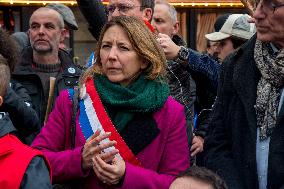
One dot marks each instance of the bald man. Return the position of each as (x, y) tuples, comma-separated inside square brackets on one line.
[(44, 60)]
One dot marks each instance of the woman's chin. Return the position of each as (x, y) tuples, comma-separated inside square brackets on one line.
[(114, 78)]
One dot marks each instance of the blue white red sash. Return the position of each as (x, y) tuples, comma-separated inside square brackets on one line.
[(93, 116)]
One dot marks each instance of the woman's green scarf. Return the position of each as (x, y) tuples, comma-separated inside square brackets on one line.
[(122, 103)]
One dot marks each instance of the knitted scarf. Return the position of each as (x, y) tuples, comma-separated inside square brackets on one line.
[(268, 88), (122, 103)]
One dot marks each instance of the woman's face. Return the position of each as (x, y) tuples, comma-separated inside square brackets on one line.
[(120, 63)]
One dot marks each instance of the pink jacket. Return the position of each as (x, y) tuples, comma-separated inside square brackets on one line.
[(162, 160)]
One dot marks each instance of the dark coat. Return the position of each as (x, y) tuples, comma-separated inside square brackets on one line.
[(25, 74), (231, 147)]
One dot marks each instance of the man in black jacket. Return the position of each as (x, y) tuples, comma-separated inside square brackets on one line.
[(44, 60), (246, 143)]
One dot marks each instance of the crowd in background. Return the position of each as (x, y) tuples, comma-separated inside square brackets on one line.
[(146, 111)]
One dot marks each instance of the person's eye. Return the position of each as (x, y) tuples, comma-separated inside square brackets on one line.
[(124, 48), (106, 46), (158, 20), (111, 8), (49, 26), (272, 5), (123, 8), (34, 26)]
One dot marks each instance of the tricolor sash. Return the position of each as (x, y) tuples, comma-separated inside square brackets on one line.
[(93, 116)]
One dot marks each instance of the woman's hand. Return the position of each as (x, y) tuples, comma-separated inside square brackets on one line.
[(93, 147), (109, 173), (197, 145)]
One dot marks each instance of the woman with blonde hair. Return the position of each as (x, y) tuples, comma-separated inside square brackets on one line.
[(129, 132)]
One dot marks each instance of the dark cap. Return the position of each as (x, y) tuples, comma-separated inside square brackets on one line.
[(66, 14), (220, 21)]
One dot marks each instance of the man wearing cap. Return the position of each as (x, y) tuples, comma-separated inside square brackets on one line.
[(70, 23), (44, 60), (213, 47), (247, 140), (235, 31)]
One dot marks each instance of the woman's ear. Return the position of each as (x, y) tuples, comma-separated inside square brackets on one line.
[(144, 64)]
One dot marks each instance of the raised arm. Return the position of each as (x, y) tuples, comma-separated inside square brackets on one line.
[(196, 62), (94, 13)]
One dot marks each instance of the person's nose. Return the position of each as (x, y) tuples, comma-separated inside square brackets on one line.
[(153, 23), (112, 53), (217, 49), (258, 12), (116, 12), (41, 30)]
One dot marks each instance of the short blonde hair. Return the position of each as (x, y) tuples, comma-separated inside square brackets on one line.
[(143, 42)]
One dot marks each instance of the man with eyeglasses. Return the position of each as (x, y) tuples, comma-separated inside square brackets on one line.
[(247, 138), (97, 15)]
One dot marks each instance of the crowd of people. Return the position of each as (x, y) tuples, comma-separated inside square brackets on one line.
[(128, 120)]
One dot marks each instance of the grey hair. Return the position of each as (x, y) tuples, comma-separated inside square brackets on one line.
[(172, 10)]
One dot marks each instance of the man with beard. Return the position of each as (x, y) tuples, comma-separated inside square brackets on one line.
[(43, 60)]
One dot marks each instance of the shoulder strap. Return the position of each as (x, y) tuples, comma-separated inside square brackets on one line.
[(75, 100)]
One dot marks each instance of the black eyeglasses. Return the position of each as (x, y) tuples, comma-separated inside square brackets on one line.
[(122, 8), (268, 5)]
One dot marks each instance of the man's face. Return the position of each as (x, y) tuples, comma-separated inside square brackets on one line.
[(128, 8), (162, 21), (226, 47), (269, 19), (214, 48), (45, 32)]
